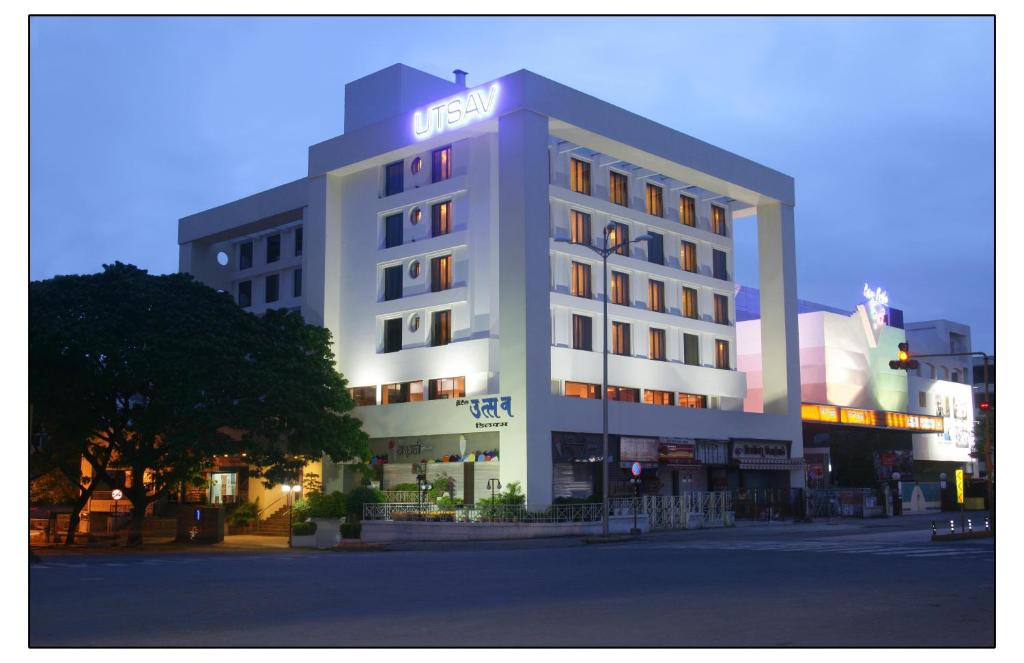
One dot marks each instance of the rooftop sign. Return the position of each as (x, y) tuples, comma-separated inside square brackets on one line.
[(878, 305), (455, 112)]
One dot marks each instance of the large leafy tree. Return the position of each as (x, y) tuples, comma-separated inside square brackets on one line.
[(157, 374)]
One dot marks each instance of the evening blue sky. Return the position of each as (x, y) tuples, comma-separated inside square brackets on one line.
[(885, 123)]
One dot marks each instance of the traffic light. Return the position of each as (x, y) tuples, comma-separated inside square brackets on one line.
[(984, 405), (903, 362)]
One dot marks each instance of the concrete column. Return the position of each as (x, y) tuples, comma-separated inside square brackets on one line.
[(524, 302), (322, 255)]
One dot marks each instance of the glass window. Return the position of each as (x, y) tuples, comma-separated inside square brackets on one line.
[(245, 255), (297, 283), (655, 202), (393, 335), (619, 234), (245, 294), (618, 188), (580, 285), (718, 220), (273, 248), (687, 211), (272, 288), (655, 397), (363, 395), (416, 166), (688, 256), (441, 328), (721, 353), (721, 271), (656, 249), (402, 392), (721, 309), (442, 388), (657, 343), (582, 336), (440, 273), (393, 178), (441, 218), (693, 400), (392, 230), (620, 338), (579, 176), (619, 288), (441, 164), (392, 283), (579, 227), (656, 296), (691, 349), (298, 241), (626, 394), (690, 302), (582, 390)]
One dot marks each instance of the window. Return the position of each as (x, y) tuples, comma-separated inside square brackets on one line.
[(298, 241), (273, 248), (620, 338), (656, 249), (582, 332), (721, 353), (688, 256), (718, 220), (690, 302), (719, 265), (393, 335), (441, 218), (922, 399), (655, 203), (245, 294), (693, 400), (655, 397), (272, 289), (619, 234), (656, 296), (626, 394), (402, 392), (441, 164), (442, 388), (580, 286), (579, 227), (441, 328), (392, 283), (393, 178), (657, 343), (297, 283), (619, 289), (416, 166), (618, 188), (721, 309), (245, 255), (440, 273), (579, 176), (363, 395), (687, 211), (415, 215), (582, 390), (691, 349), (392, 230)]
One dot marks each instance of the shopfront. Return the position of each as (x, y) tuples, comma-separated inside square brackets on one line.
[(762, 464)]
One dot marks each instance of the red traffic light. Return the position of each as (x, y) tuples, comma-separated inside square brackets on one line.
[(984, 405)]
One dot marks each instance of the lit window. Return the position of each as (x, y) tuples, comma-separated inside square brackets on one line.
[(618, 188), (402, 392), (655, 397), (441, 328), (441, 218), (721, 354), (625, 394), (688, 256), (363, 395), (580, 285), (620, 338), (718, 220), (441, 164), (693, 401), (657, 343), (690, 302), (582, 328), (443, 388), (687, 211), (579, 227), (440, 273), (619, 283), (721, 309), (655, 204), (416, 166), (582, 390), (579, 176), (656, 296), (619, 235)]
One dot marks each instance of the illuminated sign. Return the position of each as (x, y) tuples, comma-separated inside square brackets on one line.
[(834, 414), (497, 409), (959, 486), (455, 112), (878, 305), (858, 417)]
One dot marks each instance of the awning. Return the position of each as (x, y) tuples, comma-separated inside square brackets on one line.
[(769, 464)]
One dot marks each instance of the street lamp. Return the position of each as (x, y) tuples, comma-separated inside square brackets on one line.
[(423, 485), (289, 492), (604, 252)]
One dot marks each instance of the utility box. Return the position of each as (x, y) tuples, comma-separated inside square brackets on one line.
[(201, 524)]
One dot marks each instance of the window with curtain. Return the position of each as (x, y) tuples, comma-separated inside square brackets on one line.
[(402, 392), (579, 227), (619, 285), (620, 338), (582, 332), (657, 344), (721, 309), (441, 167), (582, 390), (625, 394), (618, 188), (721, 354), (619, 234), (443, 388), (690, 303), (718, 220), (693, 400), (655, 397), (656, 296), (579, 176), (441, 218), (687, 211), (363, 395), (441, 328), (440, 273), (580, 280), (655, 201), (688, 256)]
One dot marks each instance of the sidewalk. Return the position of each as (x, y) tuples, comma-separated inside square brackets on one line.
[(232, 544)]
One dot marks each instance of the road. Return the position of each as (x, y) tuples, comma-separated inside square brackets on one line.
[(868, 583)]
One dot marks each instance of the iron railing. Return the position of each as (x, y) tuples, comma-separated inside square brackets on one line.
[(402, 496)]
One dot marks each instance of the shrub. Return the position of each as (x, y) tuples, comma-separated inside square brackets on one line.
[(331, 505), (442, 485), (300, 510), (304, 529), (351, 530), (360, 496), (448, 503), (405, 487), (245, 514)]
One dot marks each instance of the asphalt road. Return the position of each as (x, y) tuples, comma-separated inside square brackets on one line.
[(880, 584)]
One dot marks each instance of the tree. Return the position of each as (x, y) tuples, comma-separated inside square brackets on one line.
[(157, 374)]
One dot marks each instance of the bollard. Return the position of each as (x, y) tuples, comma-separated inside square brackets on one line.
[(933, 528), (969, 527), (952, 528)]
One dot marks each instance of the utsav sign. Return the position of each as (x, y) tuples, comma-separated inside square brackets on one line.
[(455, 112)]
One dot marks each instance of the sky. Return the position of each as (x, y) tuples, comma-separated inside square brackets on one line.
[(886, 124)]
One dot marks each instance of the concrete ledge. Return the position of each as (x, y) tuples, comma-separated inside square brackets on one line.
[(960, 536), (384, 531)]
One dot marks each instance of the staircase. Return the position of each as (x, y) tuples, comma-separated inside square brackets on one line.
[(276, 524)]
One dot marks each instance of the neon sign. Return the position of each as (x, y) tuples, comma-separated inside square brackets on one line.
[(454, 112), (878, 305)]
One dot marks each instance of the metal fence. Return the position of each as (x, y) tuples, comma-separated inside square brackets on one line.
[(768, 503), (673, 511), (401, 496)]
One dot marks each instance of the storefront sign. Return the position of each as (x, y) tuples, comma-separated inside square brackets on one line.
[(401, 452), (759, 450), (834, 414), (959, 486), (643, 449), (677, 452), (878, 305), (488, 411), (455, 112)]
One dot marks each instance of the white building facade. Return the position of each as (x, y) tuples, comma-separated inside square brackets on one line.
[(441, 240)]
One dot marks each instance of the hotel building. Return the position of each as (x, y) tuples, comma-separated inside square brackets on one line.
[(442, 240)]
